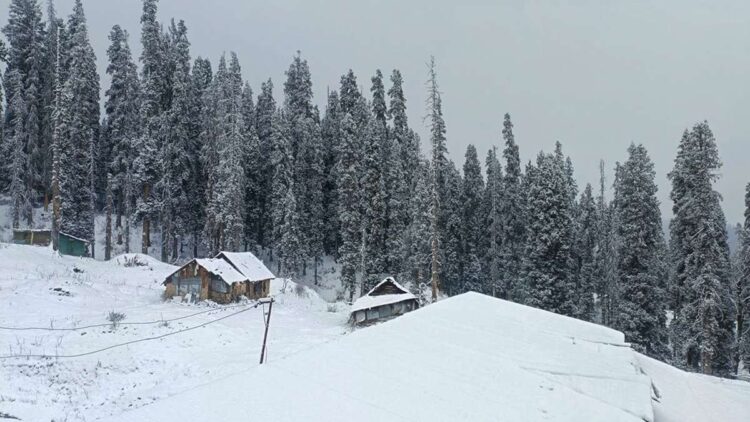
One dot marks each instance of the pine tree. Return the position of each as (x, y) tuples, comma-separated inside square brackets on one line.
[(439, 151), (121, 107), (512, 213), (585, 247), (400, 162), (153, 78), (253, 170), (80, 101), (472, 222), (201, 80), (702, 329), (641, 308), (742, 288), (416, 244), (176, 185), (19, 164), (265, 111), (548, 275), (331, 134), (493, 234), (453, 277), (350, 218), (373, 187)]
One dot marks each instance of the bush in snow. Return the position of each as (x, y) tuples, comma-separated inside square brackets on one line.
[(115, 318)]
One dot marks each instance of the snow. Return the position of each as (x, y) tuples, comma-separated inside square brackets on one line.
[(222, 268), (108, 383), (470, 357), (249, 265), (367, 301), (688, 397)]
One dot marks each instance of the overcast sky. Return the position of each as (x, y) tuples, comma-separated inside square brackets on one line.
[(595, 75)]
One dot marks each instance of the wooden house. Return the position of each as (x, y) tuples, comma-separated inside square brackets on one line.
[(386, 300), (67, 244), (223, 279)]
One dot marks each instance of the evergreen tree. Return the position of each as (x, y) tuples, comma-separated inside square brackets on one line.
[(19, 163), (585, 247), (742, 288), (455, 274), (641, 308), (350, 218), (400, 162), (373, 187), (472, 220), (493, 234), (702, 328), (512, 213), (80, 101), (176, 185), (265, 111), (331, 134), (438, 166), (416, 244), (548, 259), (253, 170)]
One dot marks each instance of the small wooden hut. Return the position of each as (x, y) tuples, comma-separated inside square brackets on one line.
[(223, 279), (386, 300), (67, 245)]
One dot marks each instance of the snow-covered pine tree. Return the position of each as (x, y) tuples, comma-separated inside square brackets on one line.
[(641, 309), (373, 187), (200, 79), (472, 222), (585, 246), (19, 162), (123, 125), (228, 196), (265, 111), (176, 184), (153, 91), (48, 87), (330, 128), (416, 245), (438, 167), (350, 218), (492, 234), (253, 171), (702, 328), (512, 213), (80, 99), (25, 60), (605, 256), (548, 275), (743, 286), (307, 159), (400, 163), (452, 275)]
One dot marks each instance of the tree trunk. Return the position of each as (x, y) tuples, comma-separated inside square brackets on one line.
[(146, 239)]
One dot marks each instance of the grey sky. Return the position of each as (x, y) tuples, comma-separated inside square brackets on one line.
[(593, 74)]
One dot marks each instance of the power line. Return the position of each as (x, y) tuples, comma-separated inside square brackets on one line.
[(133, 341), (119, 323)]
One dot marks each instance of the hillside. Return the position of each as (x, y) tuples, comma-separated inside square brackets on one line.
[(470, 357)]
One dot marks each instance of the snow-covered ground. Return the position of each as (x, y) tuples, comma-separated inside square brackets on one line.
[(469, 357), (38, 288)]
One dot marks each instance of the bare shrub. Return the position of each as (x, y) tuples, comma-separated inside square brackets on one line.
[(115, 318)]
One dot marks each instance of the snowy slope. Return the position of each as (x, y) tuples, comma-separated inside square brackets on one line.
[(470, 357), (107, 383), (688, 397)]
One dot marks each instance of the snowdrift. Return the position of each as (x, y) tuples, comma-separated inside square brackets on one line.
[(470, 357)]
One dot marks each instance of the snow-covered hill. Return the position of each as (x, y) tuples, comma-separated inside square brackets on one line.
[(39, 288), (470, 357)]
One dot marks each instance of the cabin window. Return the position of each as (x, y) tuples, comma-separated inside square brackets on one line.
[(188, 285), (385, 311), (218, 285), (258, 288), (373, 314)]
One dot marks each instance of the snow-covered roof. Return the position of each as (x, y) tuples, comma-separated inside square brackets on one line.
[(372, 300), (467, 358), (248, 264), (221, 268)]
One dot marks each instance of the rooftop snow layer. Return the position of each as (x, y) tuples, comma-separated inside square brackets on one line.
[(470, 357), (249, 265), (367, 301), (221, 268)]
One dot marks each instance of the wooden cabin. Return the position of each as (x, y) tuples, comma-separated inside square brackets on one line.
[(67, 244), (223, 279), (386, 300)]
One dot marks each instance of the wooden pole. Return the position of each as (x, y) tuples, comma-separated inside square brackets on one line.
[(265, 334)]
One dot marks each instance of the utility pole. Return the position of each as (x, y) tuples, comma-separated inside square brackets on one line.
[(267, 321)]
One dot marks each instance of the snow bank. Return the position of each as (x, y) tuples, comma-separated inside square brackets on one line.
[(470, 357), (688, 397)]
